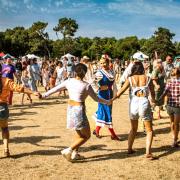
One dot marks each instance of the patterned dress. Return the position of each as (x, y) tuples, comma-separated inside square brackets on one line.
[(104, 112)]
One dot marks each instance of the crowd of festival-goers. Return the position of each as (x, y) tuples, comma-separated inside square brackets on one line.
[(153, 85)]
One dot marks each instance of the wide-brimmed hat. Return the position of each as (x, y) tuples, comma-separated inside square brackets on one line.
[(140, 56), (86, 57)]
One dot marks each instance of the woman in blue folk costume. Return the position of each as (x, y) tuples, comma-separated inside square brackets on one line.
[(106, 82)]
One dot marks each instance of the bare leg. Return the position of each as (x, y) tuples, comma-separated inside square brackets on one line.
[(30, 99), (22, 101), (176, 127), (5, 137), (172, 124), (149, 136), (132, 134), (64, 93), (159, 112), (81, 137)]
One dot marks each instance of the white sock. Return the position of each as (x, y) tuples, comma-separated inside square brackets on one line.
[(70, 149)]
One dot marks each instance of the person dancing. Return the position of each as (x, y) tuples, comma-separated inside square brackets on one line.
[(106, 82), (76, 114), (7, 85), (139, 105)]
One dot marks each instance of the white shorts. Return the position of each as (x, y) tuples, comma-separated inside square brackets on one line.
[(140, 107)]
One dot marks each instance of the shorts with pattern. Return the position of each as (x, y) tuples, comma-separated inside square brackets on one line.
[(76, 117)]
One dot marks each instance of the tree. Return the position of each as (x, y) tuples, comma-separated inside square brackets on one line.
[(2, 41), (124, 48), (39, 42), (161, 42), (16, 41), (67, 27), (177, 46)]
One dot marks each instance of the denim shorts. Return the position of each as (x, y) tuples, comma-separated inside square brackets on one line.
[(173, 110), (4, 111)]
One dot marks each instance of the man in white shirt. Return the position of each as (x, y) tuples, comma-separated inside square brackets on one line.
[(168, 66)]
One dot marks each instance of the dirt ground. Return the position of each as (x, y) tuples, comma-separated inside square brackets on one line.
[(38, 133)]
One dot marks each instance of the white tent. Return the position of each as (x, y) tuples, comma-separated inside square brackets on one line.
[(68, 55), (139, 54), (32, 56)]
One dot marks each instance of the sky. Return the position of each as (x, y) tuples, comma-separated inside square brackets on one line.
[(96, 18)]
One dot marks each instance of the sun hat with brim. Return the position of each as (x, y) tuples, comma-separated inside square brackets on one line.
[(86, 57), (138, 56)]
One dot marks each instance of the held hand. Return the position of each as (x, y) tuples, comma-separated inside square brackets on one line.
[(153, 100), (109, 102), (40, 96), (157, 87)]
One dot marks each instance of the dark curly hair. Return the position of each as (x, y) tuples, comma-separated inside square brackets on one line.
[(80, 70)]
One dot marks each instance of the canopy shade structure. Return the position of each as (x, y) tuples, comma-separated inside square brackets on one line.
[(2, 54), (177, 57), (68, 55), (8, 56), (32, 56)]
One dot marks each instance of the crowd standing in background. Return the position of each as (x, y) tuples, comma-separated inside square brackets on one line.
[(151, 83)]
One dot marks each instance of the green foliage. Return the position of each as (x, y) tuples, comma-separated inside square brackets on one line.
[(177, 48), (39, 39), (161, 42), (67, 27), (16, 41), (126, 47), (20, 41)]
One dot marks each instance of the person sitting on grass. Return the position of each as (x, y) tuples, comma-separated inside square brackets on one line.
[(76, 112)]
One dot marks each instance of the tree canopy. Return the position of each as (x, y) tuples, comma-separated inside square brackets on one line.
[(35, 39)]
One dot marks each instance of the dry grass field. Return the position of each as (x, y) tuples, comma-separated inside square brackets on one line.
[(38, 133)]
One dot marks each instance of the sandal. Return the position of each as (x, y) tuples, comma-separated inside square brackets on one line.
[(151, 157), (131, 151), (97, 135)]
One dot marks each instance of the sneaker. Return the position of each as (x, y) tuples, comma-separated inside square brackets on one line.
[(67, 153), (76, 156)]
